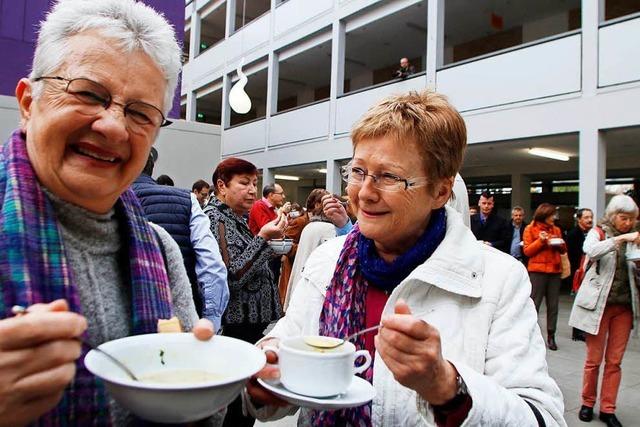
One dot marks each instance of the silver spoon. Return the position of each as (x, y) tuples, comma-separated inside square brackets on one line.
[(19, 310), (328, 344)]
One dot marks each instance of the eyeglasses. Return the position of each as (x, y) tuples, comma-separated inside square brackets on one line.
[(385, 181), (93, 98)]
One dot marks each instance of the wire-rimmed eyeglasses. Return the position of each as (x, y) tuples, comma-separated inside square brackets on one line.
[(385, 181), (93, 98)]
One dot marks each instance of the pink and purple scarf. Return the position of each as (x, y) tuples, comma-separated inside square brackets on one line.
[(34, 269)]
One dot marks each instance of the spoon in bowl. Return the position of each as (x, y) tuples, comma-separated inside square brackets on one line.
[(19, 310)]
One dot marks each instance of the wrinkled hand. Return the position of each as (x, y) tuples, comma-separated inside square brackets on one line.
[(203, 329), (334, 210), (411, 350), (37, 360), (258, 393), (274, 229), (633, 237), (285, 209), (544, 236)]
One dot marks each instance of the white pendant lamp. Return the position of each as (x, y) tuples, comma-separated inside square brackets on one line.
[(238, 98)]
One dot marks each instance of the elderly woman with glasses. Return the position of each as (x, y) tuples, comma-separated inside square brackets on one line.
[(75, 248), (606, 305), (458, 341)]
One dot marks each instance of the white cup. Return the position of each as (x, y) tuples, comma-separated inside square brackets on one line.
[(314, 372)]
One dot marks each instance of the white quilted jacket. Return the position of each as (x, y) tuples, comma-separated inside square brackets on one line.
[(478, 299)]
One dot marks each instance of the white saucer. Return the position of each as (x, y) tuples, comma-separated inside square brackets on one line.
[(359, 392)]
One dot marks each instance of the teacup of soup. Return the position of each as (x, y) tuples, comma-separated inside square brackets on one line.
[(318, 372)]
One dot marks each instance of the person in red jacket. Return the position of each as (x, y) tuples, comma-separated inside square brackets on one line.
[(543, 244), (265, 209)]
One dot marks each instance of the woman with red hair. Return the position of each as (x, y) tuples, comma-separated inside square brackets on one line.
[(543, 245)]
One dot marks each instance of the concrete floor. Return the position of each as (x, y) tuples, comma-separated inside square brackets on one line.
[(565, 365)]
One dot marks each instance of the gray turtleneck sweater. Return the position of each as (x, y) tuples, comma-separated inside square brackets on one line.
[(93, 245)]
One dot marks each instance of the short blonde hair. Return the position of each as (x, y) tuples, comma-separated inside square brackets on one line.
[(426, 119)]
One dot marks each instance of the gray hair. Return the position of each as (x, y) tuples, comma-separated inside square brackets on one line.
[(132, 25), (517, 208), (620, 204)]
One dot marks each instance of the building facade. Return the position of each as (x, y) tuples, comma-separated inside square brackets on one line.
[(525, 74)]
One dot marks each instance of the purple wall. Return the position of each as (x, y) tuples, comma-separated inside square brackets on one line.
[(18, 32)]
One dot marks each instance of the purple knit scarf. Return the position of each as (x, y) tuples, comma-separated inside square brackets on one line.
[(34, 269)]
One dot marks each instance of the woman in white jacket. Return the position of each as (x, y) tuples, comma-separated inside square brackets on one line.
[(473, 353), (606, 306)]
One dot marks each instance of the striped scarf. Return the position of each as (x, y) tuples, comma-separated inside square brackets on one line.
[(34, 269)]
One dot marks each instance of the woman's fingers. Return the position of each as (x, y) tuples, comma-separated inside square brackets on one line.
[(203, 329), (262, 395), (38, 327)]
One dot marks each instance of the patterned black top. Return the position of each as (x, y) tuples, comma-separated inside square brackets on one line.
[(253, 291)]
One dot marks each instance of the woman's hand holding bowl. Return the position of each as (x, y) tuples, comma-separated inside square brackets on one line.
[(633, 237), (37, 355), (274, 229), (258, 393), (412, 351)]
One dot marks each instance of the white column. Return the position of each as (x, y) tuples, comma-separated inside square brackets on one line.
[(194, 37), (226, 109), (591, 12), (521, 192), (334, 179), (337, 72), (273, 72), (592, 170), (435, 40), (267, 178), (191, 106), (230, 19)]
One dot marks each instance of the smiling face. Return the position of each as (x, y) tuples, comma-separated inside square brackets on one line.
[(394, 220), (89, 160), (240, 193)]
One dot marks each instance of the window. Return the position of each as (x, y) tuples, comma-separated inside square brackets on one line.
[(618, 8), (374, 50), (212, 27), (250, 10), (209, 105), (477, 28), (305, 77)]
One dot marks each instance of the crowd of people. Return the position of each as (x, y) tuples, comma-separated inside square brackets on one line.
[(97, 250)]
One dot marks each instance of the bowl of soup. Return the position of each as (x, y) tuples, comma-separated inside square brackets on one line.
[(182, 379)]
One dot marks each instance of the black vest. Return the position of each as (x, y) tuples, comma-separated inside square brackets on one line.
[(170, 208)]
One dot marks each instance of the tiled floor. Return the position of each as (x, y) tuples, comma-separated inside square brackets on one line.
[(565, 365)]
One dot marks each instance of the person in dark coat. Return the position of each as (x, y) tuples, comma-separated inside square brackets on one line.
[(488, 226), (575, 240)]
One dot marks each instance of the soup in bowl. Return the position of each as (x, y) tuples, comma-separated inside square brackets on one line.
[(182, 379)]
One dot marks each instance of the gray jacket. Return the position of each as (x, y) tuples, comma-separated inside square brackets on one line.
[(591, 298)]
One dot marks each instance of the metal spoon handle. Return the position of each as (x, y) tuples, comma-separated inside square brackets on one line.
[(18, 310), (364, 331), (114, 360)]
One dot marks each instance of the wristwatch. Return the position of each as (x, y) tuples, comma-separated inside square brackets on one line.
[(461, 386)]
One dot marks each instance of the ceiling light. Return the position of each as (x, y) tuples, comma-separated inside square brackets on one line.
[(287, 177), (322, 170), (549, 154)]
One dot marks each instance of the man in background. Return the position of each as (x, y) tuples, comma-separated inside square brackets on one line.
[(405, 70), (201, 189), (575, 240), (266, 209), (516, 228), (487, 226), (178, 211)]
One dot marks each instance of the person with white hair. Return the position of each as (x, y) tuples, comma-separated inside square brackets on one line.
[(606, 306), (76, 250)]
